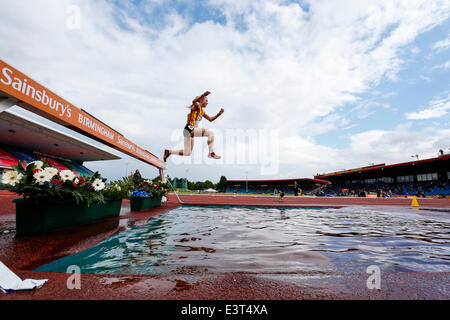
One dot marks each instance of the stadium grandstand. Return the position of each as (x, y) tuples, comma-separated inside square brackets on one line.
[(422, 178), (306, 185), (23, 139)]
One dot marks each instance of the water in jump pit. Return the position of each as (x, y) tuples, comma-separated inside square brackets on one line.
[(303, 241)]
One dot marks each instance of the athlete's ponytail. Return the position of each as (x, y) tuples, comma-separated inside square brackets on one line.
[(197, 99), (195, 102)]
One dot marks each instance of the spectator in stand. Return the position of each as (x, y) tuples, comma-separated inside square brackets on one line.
[(295, 188), (281, 195)]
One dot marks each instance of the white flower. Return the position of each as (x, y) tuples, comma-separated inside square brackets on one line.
[(67, 175), (51, 171), (98, 185), (11, 178), (38, 164), (76, 181), (42, 177), (117, 187)]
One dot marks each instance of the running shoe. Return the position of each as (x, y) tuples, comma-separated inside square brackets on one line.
[(213, 155), (166, 155)]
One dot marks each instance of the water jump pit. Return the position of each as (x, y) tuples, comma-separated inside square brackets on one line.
[(305, 242)]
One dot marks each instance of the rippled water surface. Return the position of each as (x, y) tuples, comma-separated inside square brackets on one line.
[(193, 240)]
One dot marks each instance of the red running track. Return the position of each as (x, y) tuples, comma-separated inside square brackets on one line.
[(24, 254), (290, 201)]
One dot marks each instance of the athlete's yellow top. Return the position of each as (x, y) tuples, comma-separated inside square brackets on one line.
[(195, 116)]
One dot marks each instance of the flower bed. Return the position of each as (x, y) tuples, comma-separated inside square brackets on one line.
[(53, 199), (141, 204), (148, 195), (32, 219), (41, 183)]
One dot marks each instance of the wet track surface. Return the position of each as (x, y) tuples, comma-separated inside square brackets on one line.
[(25, 254)]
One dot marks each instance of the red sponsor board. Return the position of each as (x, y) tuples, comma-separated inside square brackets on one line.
[(7, 160)]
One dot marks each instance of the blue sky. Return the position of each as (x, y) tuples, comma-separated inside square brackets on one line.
[(341, 84), (153, 13), (416, 84)]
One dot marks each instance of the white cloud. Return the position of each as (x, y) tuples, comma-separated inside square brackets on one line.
[(442, 44), (437, 108), (271, 65), (365, 109), (373, 146), (445, 65), (425, 78), (314, 158), (350, 127), (322, 125), (395, 146), (383, 95)]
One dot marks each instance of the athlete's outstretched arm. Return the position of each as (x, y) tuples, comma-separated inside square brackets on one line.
[(211, 119)]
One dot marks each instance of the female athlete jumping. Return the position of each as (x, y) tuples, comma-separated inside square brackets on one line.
[(191, 129)]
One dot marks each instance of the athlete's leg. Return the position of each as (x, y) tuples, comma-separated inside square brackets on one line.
[(210, 135), (188, 146), (198, 132)]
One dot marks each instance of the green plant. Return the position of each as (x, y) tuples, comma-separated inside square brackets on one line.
[(126, 186), (40, 183), (150, 189), (116, 191)]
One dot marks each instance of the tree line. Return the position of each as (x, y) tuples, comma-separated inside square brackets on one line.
[(220, 186)]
